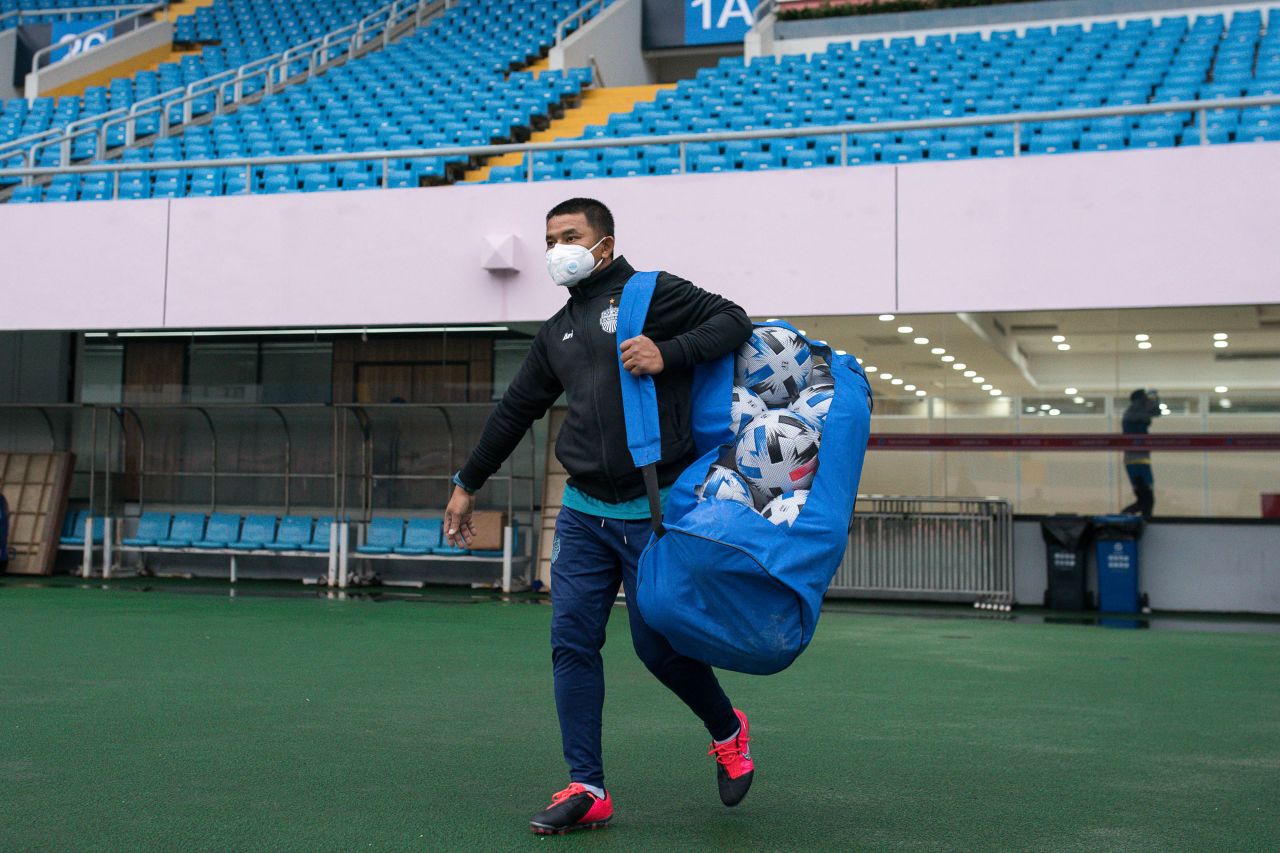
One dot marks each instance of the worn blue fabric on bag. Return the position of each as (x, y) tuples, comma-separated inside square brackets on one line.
[(720, 582)]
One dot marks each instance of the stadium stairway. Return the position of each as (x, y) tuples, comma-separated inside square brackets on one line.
[(595, 108)]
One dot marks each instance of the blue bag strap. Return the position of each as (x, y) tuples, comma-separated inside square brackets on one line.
[(639, 396)]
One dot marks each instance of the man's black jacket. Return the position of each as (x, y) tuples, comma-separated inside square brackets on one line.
[(575, 352)]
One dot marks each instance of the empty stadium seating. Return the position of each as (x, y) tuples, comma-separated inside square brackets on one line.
[(943, 76), (447, 85), (292, 535), (450, 85), (243, 30)]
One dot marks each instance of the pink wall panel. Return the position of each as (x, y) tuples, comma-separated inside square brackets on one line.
[(1134, 228), (1187, 226), (795, 243), (89, 265)]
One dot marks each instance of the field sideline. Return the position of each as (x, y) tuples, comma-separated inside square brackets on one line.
[(149, 720)]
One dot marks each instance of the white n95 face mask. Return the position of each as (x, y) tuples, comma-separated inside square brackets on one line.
[(570, 263)]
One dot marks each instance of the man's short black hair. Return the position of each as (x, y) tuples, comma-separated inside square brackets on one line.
[(1138, 395), (598, 216)]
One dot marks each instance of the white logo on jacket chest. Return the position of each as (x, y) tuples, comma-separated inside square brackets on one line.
[(609, 319)]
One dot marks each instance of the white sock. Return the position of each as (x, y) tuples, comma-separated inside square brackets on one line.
[(599, 792), (729, 738)]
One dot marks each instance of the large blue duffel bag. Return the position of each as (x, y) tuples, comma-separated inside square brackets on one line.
[(720, 582)]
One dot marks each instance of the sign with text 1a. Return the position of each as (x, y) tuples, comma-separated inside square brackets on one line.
[(716, 21)]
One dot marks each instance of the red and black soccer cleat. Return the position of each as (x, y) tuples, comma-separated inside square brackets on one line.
[(734, 767), (571, 809)]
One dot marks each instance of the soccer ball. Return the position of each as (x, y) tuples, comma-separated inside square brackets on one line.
[(778, 453), (775, 363), (725, 484), (814, 402), (746, 407), (785, 509), (820, 376)]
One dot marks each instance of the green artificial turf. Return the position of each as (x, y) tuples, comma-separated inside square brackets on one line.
[(152, 720)]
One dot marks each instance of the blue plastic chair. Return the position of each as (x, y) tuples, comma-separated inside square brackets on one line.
[(320, 532), (152, 527), (627, 169), (257, 531), (74, 535), (385, 535), (293, 533), (421, 537), (506, 174), (188, 527), (1155, 137), (222, 530), (711, 163), (901, 152)]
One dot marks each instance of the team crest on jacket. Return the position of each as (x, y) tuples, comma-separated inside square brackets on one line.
[(609, 319)]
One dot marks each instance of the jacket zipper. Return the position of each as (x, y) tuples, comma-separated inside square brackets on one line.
[(595, 404)]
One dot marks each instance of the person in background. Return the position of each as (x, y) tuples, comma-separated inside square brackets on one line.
[(604, 522), (1143, 406)]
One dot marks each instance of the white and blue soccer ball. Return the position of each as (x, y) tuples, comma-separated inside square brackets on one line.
[(785, 509), (775, 363), (778, 453), (726, 484), (746, 407), (814, 402)]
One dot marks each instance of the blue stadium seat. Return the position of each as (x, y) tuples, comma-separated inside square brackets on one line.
[(627, 168), (384, 536), (188, 527), (257, 531), (320, 534), (222, 530), (152, 527), (711, 163), (421, 537), (294, 532), (73, 529)]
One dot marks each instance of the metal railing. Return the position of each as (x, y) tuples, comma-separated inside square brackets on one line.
[(948, 549), (66, 12), (347, 40), (579, 16), (386, 157)]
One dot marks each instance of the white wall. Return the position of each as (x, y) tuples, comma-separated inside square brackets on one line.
[(612, 39), (8, 56), (119, 49), (1202, 566), (1106, 230)]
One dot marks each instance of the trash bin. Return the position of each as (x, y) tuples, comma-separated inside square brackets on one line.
[(1116, 538), (1066, 546)]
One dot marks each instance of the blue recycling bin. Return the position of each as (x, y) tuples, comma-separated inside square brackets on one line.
[(1116, 548)]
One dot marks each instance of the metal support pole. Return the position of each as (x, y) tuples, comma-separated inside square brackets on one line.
[(86, 562), (1204, 127), (507, 541), (333, 553), (233, 568), (1017, 139), (108, 538), (344, 538), (683, 166)]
